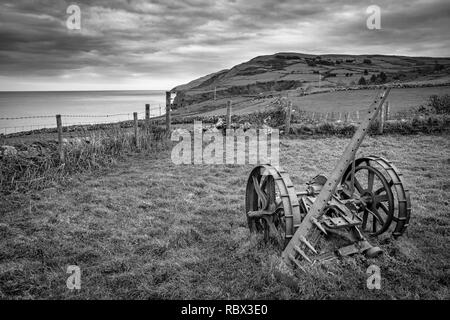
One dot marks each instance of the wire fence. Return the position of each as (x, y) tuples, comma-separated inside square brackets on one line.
[(77, 122), (353, 116), (350, 116), (21, 124)]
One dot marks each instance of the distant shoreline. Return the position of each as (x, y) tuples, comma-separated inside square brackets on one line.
[(68, 91)]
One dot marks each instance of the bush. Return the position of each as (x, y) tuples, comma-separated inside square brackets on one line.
[(362, 81), (439, 104), (438, 67)]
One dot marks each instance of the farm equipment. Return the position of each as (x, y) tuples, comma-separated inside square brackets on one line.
[(334, 216)]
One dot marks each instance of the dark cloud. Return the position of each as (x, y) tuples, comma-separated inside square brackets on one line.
[(165, 42)]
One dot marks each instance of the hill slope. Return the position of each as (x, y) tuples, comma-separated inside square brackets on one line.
[(298, 74)]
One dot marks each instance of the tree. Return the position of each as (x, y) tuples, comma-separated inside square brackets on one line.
[(373, 78), (383, 77), (366, 72), (362, 81)]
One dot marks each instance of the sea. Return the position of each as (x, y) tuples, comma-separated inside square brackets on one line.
[(31, 110)]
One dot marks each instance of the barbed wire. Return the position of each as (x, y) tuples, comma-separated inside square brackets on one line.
[(26, 117), (76, 115), (31, 127)]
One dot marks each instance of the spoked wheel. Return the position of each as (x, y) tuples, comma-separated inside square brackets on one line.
[(401, 200), (271, 204), (373, 189)]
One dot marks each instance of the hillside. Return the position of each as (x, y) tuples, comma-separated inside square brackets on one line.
[(296, 74)]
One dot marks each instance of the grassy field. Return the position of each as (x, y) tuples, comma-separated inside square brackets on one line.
[(400, 99), (148, 229)]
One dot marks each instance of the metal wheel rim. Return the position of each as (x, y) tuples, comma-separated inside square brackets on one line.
[(287, 198), (402, 200)]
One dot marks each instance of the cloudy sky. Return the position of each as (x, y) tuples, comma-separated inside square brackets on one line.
[(137, 44)]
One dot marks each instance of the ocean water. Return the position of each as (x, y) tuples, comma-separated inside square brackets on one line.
[(37, 110)]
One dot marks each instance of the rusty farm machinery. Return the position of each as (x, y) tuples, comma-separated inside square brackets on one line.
[(332, 216)]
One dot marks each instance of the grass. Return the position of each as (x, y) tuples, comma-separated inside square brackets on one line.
[(148, 229), (348, 101), (38, 164), (400, 99), (430, 119)]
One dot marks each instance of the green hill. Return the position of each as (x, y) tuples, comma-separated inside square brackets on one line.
[(297, 74)]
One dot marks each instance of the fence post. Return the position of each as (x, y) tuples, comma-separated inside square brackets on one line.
[(386, 109), (287, 125), (60, 142), (168, 116), (229, 114), (135, 117), (147, 118), (347, 117), (381, 119)]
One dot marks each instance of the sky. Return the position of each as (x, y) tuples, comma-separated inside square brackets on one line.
[(157, 45)]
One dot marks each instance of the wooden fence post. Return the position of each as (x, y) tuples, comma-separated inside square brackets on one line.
[(147, 118), (168, 115), (381, 120), (60, 142), (287, 125), (229, 114), (135, 117)]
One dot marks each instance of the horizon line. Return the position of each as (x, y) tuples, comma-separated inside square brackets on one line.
[(6, 91)]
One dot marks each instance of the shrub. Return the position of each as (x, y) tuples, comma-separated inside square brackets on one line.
[(438, 67), (362, 81), (439, 104)]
